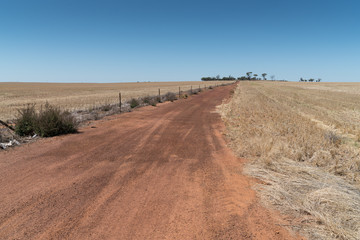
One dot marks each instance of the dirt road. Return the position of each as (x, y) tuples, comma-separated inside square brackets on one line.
[(157, 173)]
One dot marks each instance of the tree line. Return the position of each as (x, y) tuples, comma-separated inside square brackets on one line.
[(249, 76), (310, 80)]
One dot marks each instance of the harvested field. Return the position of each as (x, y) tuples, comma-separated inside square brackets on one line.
[(302, 140), (82, 96)]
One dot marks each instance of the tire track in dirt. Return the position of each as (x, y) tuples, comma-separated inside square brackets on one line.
[(155, 173)]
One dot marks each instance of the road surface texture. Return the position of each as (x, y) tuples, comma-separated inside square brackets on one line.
[(157, 173)]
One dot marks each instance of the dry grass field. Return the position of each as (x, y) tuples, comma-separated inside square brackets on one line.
[(80, 96), (302, 142)]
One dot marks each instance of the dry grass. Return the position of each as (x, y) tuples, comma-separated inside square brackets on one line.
[(302, 140), (81, 96)]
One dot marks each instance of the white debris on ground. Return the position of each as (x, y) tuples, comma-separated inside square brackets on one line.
[(9, 144), (8, 138)]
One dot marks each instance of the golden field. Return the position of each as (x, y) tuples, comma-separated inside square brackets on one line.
[(302, 141), (80, 96)]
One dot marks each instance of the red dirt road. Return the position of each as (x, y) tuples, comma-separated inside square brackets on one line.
[(156, 173)]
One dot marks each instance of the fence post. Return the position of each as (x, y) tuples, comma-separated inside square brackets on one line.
[(159, 96), (179, 92), (120, 101), (191, 90)]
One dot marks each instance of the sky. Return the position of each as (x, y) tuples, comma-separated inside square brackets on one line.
[(178, 40)]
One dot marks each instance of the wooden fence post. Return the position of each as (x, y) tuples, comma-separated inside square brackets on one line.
[(120, 101), (179, 92), (191, 90), (159, 96)]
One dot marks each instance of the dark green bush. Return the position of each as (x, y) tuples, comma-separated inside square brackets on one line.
[(26, 120), (50, 121), (134, 103)]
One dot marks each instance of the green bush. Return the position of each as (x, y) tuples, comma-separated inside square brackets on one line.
[(134, 103), (50, 121), (26, 120)]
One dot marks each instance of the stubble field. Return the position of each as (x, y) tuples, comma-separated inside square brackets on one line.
[(302, 141), (82, 96)]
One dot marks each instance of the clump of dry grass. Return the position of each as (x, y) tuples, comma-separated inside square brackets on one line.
[(310, 172)]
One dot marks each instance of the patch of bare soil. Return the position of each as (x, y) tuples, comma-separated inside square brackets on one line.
[(155, 173)]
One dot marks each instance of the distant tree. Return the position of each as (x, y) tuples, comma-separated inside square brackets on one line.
[(311, 80), (319, 79), (264, 75), (229, 78), (242, 78), (272, 77), (249, 75), (217, 78), (301, 80), (255, 76)]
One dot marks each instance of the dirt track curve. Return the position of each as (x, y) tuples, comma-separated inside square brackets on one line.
[(157, 173)]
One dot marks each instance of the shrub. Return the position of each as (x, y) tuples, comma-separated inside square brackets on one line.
[(50, 121), (170, 96), (106, 108), (150, 100), (26, 120), (134, 103), (210, 87), (147, 100)]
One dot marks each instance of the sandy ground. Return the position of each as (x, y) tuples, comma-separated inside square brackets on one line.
[(157, 173)]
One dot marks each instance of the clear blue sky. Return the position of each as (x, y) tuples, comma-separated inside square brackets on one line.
[(139, 40)]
